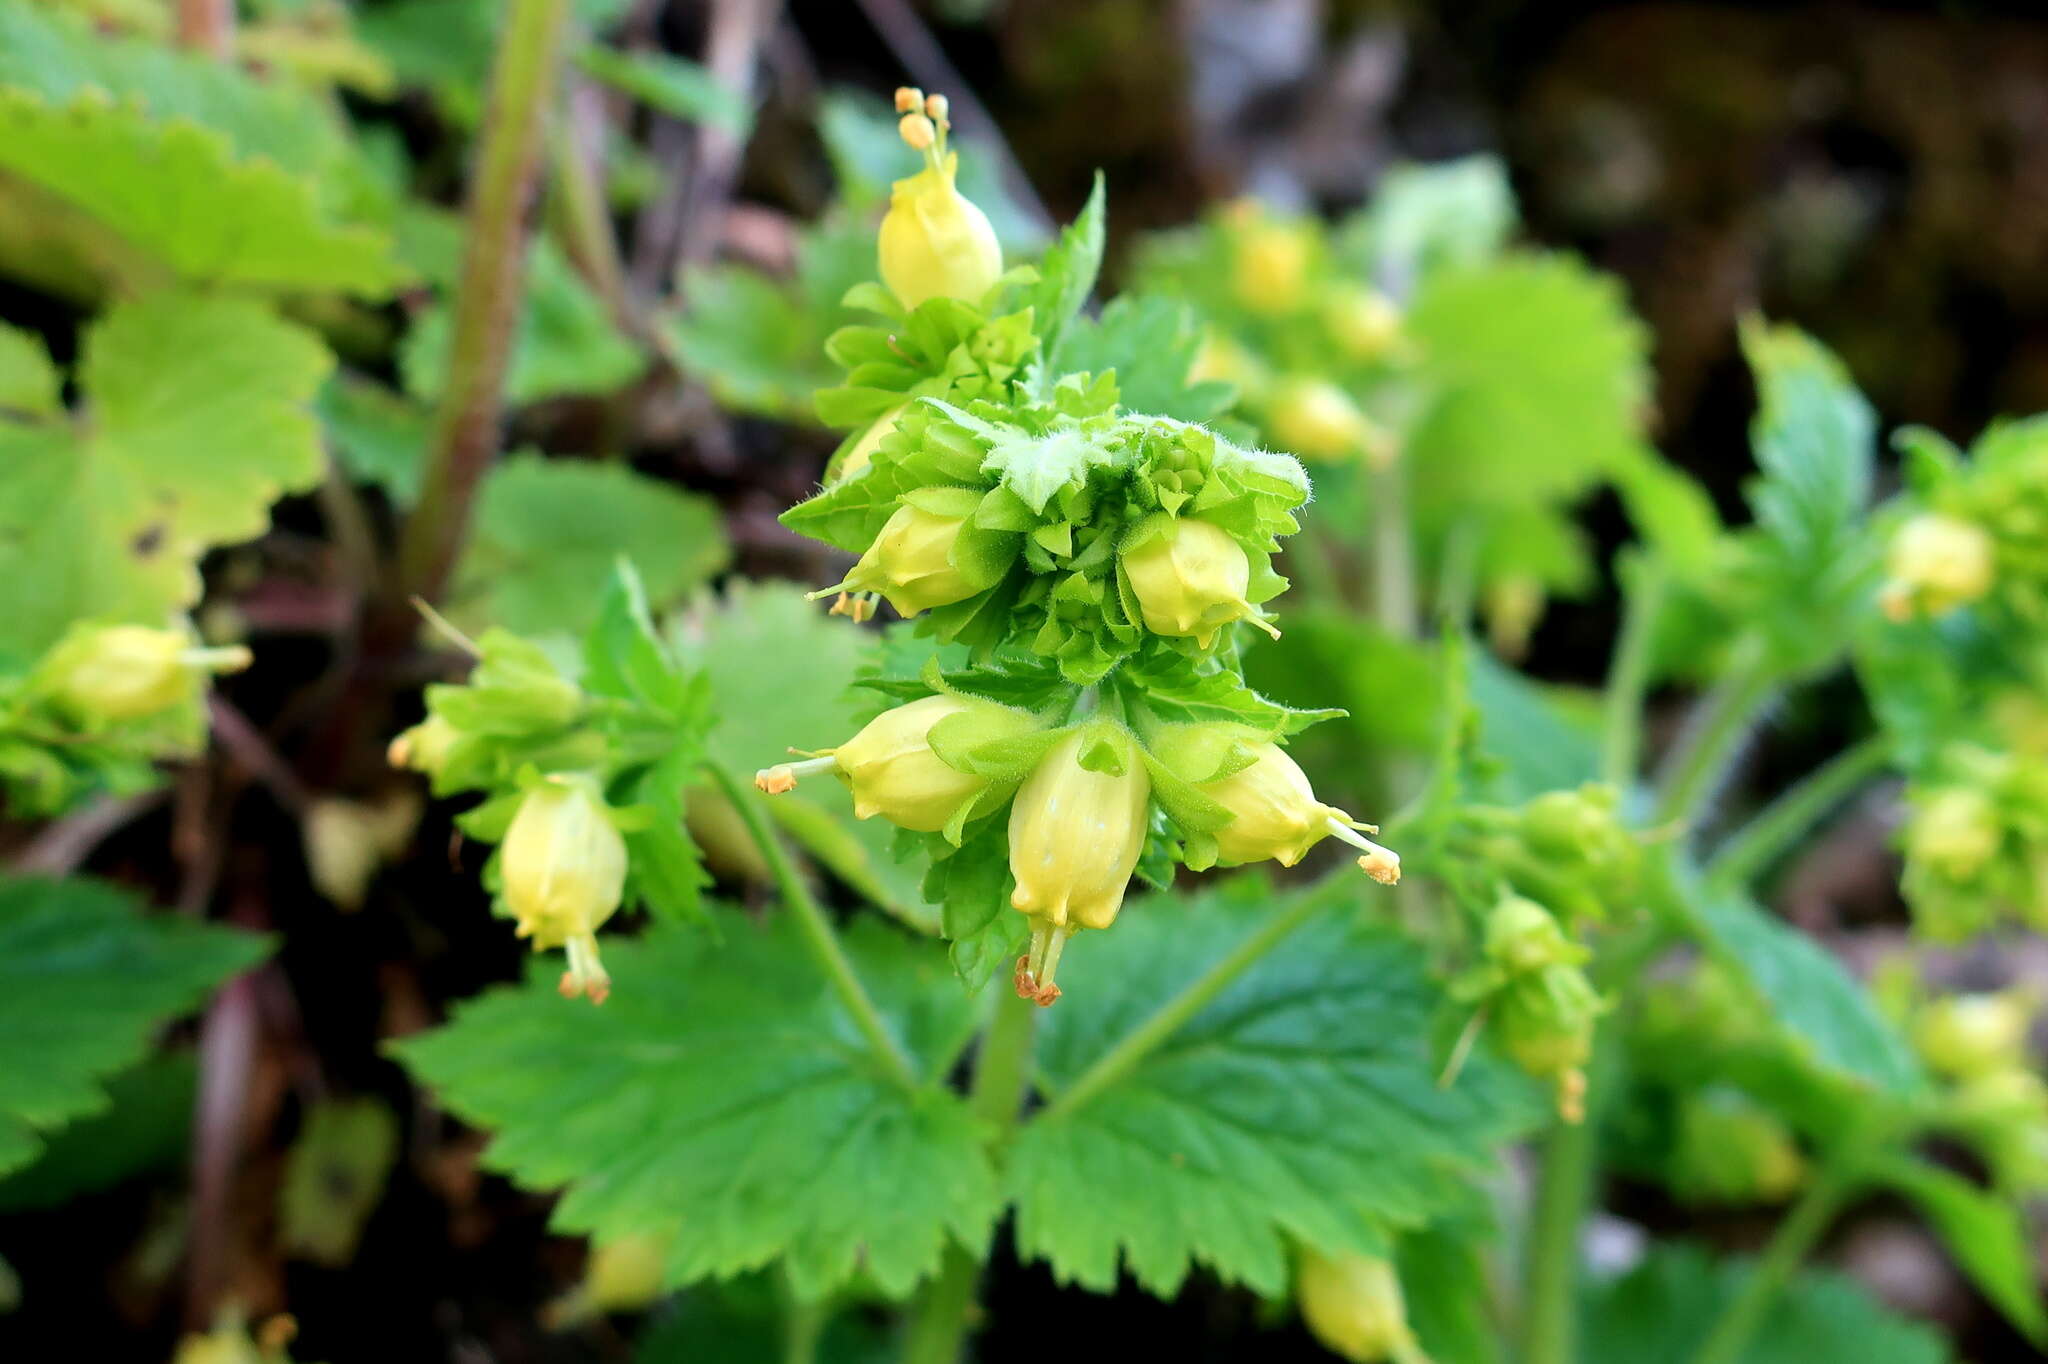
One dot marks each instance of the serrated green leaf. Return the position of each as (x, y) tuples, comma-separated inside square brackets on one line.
[(85, 979), (145, 1128), (1035, 467), (1665, 1307), (1987, 1235), (548, 533), (175, 204), (1815, 439), (198, 422), (721, 1093), (1301, 1103), (1066, 277)]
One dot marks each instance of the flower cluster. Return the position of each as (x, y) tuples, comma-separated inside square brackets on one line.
[(1981, 534), (1103, 557), (1976, 842), (1993, 1097), (1531, 987)]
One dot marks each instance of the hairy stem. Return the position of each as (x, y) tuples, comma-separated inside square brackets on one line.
[(1114, 1064), (1788, 818), (487, 298), (1790, 1244), (939, 1328), (817, 932)]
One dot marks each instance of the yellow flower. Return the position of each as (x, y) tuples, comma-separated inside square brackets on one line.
[(424, 747), (563, 870), (934, 242), (1934, 564), (1275, 814), (911, 563), (891, 766), (1363, 322), (129, 672), (1315, 419), (1954, 831), (1222, 360), (1353, 1305), (1075, 833), (1270, 265), (625, 1275), (1190, 578)]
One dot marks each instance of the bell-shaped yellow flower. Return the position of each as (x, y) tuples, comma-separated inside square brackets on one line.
[(110, 673), (1315, 419), (1076, 832), (934, 242), (424, 747), (1190, 578), (893, 770), (1353, 1305), (562, 868), (1275, 814), (1936, 563), (911, 563)]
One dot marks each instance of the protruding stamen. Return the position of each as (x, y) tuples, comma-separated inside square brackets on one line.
[(229, 658), (586, 975), (782, 778), (918, 131), (856, 606), (1381, 864), (936, 108), (1251, 616)]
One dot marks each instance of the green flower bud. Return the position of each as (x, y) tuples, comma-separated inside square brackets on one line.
[(1954, 831), (1076, 831), (1222, 360), (562, 868), (1353, 1305), (1544, 1021), (1934, 564), (893, 770), (1315, 419), (935, 243), (112, 673), (1522, 936), (1969, 1035), (911, 563), (1190, 578)]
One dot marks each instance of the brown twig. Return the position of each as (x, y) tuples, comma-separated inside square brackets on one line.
[(227, 1049), (247, 746)]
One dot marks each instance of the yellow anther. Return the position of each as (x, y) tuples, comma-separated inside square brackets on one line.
[(908, 98), (917, 130)]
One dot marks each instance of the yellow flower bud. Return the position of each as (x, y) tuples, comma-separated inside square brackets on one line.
[(1934, 564), (911, 563), (1269, 269), (1315, 419), (625, 1275), (1969, 1035), (1275, 814), (1075, 834), (1954, 831), (129, 672), (1222, 360), (1353, 1305), (1190, 578), (856, 460), (563, 869), (424, 747), (892, 769), (935, 243), (1363, 322)]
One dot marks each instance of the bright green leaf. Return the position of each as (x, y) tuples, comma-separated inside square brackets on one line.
[(1987, 1235), (29, 383), (722, 1094)]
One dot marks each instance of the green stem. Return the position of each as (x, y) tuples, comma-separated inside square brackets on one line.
[(1628, 676), (582, 220), (803, 1325), (1551, 1252), (1715, 730), (487, 298), (939, 1329), (1114, 1064), (1781, 823), (817, 932), (1793, 1241)]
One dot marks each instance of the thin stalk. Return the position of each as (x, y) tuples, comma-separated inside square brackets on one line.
[(1550, 1247), (1114, 1064), (1717, 728), (939, 1329), (488, 296), (1794, 1239), (803, 1326), (583, 221), (817, 932), (1788, 818), (1628, 676)]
